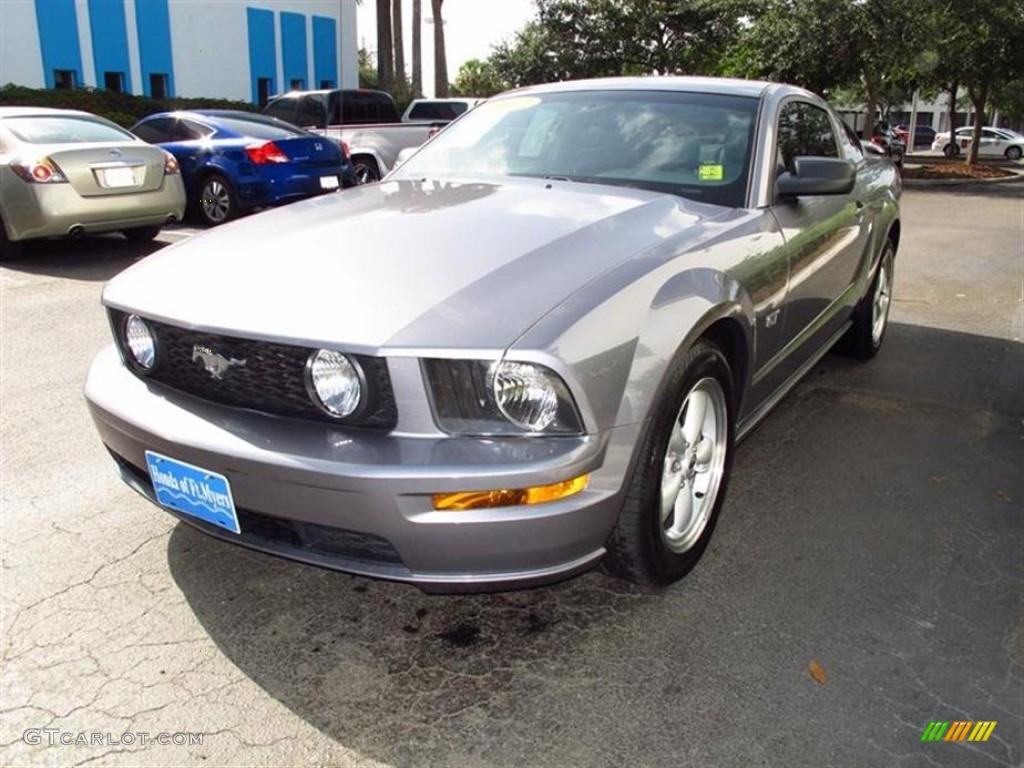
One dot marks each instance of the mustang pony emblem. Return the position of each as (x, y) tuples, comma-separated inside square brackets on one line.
[(215, 364)]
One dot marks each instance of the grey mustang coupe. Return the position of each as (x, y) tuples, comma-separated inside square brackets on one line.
[(530, 349)]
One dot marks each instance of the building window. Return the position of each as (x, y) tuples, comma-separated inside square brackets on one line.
[(158, 86), (298, 84), (264, 86), (64, 79), (326, 83), (113, 81)]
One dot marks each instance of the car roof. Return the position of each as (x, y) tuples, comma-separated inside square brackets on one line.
[(41, 112), (325, 91), (734, 86), (211, 115)]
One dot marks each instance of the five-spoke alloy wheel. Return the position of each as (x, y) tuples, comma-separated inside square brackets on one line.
[(678, 486)]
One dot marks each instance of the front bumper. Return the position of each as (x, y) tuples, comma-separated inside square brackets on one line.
[(55, 210), (360, 501)]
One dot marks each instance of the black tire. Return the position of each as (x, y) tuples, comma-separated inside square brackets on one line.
[(951, 150), (863, 340), (215, 200), (8, 248), (1013, 153), (640, 548), (365, 169), (141, 234)]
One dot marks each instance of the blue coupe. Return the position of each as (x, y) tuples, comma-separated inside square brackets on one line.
[(234, 161)]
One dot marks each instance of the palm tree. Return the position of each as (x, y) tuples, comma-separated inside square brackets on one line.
[(417, 49), (385, 47), (440, 59), (396, 20)]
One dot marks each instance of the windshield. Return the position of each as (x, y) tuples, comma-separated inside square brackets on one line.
[(688, 144), (61, 129)]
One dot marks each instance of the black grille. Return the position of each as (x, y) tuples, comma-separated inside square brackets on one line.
[(272, 379), (258, 528)]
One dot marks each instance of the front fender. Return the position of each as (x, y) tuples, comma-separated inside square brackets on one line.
[(616, 353)]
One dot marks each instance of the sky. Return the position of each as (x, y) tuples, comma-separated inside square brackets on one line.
[(471, 28)]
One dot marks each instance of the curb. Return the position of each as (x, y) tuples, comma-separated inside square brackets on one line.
[(912, 183)]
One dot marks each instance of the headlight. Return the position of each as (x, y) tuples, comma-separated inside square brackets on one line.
[(140, 341), (477, 397), (334, 382), (525, 395)]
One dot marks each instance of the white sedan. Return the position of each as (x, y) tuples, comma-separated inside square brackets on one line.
[(995, 142)]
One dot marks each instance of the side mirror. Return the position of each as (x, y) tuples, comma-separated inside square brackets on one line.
[(817, 176), (872, 149)]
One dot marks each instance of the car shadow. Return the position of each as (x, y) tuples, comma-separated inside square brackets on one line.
[(91, 258), (847, 516)]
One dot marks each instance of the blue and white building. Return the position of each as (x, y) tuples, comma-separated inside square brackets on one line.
[(232, 49)]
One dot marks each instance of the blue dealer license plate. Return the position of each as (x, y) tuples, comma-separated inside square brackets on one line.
[(195, 491)]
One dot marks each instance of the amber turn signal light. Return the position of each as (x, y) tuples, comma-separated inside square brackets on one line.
[(539, 494)]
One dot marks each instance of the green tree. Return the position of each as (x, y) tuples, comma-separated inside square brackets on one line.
[(367, 70), (865, 47), (981, 49), (572, 39), (478, 78)]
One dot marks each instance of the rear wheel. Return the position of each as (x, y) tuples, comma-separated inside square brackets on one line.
[(141, 234), (678, 486), (1013, 153), (871, 318), (365, 169), (216, 202)]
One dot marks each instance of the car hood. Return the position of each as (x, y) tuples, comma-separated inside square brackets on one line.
[(405, 264)]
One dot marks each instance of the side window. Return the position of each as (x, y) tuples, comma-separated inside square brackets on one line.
[(334, 100), (311, 112), (283, 109), (805, 130), (155, 131), (186, 130), (360, 110)]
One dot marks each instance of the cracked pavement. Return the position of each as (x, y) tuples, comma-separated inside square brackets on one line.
[(874, 525)]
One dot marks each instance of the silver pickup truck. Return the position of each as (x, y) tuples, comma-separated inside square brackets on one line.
[(367, 123)]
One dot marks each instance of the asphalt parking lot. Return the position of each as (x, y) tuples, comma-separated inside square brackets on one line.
[(874, 533)]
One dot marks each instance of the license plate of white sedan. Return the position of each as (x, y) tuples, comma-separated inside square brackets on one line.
[(118, 177), (328, 182), (193, 490)]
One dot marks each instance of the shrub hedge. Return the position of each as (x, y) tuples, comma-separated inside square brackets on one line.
[(122, 108)]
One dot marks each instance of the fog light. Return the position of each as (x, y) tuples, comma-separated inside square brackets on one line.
[(140, 340), (538, 494), (334, 382)]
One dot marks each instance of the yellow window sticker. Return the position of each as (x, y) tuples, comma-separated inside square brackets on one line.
[(710, 173)]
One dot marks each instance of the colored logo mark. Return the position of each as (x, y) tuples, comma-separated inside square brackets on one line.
[(959, 730)]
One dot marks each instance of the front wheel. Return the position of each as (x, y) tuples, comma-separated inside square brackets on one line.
[(216, 202), (871, 317), (678, 487), (951, 150), (1013, 153)]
